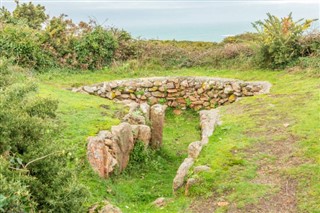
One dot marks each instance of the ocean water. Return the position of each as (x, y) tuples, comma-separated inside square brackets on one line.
[(202, 20)]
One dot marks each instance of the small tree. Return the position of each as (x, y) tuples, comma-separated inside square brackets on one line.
[(279, 39)]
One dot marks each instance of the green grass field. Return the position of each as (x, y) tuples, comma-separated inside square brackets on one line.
[(265, 142)]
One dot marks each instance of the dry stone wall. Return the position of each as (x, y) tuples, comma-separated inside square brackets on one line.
[(194, 92)]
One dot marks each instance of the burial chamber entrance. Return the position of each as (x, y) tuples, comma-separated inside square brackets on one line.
[(147, 99)]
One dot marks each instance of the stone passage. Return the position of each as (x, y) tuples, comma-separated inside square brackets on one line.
[(194, 92), (109, 151)]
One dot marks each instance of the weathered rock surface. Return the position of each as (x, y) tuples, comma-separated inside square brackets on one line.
[(159, 202), (110, 150), (100, 154), (96, 152), (157, 114), (122, 135), (144, 134), (106, 208), (194, 149), (190, 182), (145, 109), (131, 104), (134, 119), (178, 181), (202, 168), (208, 120), (135, 131), (110, 209), (185, 89)]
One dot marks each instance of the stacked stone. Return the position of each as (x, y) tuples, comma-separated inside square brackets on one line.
[(109, 151), (182, 92)]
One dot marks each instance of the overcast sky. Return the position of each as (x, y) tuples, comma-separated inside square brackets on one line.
[(206, 20)]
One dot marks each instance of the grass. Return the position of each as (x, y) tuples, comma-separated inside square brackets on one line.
[(142, 183), (133, 191), (294, 99), (247, 124)]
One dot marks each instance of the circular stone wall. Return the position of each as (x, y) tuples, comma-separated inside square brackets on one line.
[(194, 92)]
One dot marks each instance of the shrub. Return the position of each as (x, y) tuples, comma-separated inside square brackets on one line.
[(95, 49), (34, 173), (29, 14), (22, 43), (61, 44), (310, 44), (127, 47), (163, 54), (33, 15), (241, 38), (279, 40), (14, 194), (142, 158)]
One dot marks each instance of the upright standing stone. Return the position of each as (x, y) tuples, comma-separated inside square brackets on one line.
[(96, 152), (157, 114), (124, 138)]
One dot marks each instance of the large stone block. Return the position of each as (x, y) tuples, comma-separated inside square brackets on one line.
[(101, 160), (194, 149), (122, 135), (144, 134), (182, 172), (157, 114)]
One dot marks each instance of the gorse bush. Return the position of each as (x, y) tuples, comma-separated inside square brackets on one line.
[(23, 44), (34, 173), (33, 40), (95, 49), (32, 15), (279, 40), (14, 193)]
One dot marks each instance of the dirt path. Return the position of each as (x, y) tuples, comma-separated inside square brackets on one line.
[(277, 143), (271, 173)]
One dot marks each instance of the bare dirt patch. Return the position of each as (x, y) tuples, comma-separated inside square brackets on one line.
[(272, 173)]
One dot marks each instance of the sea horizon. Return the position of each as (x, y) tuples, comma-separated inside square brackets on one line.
[(180, 20)]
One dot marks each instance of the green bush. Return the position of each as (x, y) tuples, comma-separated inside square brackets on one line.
[(279, 40), (127, 47), (23, 44), (29, 14), (61, 43), (34, 173), (14, 194), (33, 15), (310, 44), (95, 49)]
